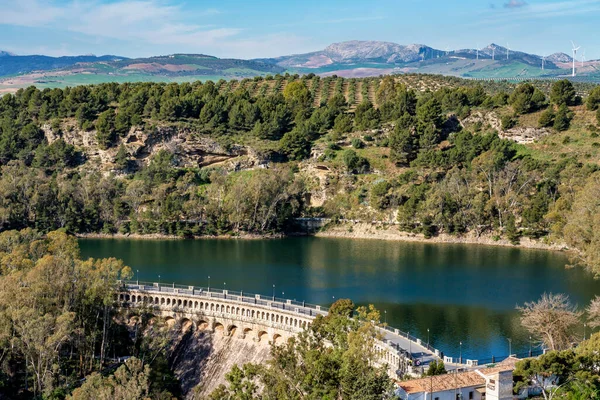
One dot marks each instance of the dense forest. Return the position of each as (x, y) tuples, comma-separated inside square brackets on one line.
[(414, 153)]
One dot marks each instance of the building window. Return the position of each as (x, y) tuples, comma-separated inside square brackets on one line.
[(470, 395), (437, 398)]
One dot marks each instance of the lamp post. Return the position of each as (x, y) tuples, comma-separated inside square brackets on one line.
[(273, 292), (138, 276), (428, 338), (209, 283), (385, 312), (460, 354), (530, 353), (509, 346), (159, 282), (584, 326)]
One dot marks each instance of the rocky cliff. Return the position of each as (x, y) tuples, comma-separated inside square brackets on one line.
[(191, 149)]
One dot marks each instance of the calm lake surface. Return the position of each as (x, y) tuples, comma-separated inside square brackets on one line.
[(458, 292)]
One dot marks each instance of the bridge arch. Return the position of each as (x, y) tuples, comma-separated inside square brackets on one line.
[(262, 335), (231, 329)]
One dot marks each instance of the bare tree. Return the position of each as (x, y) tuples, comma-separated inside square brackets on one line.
[(593, 313), (552, 319)]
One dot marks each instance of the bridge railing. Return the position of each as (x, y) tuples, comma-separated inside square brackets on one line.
[(410, 337), (300, 307)]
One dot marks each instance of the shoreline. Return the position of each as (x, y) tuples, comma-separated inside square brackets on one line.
[(365, 231), (161, 236), (362, 231)]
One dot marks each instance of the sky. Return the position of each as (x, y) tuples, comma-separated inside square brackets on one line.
[(268, 28)]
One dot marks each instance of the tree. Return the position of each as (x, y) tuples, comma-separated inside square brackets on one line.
[(593, 313), (436, 368), (131, 380), (331, 359), (593, 100), (366, 116), (296, 144), (105, 127), (355, 163), (121, 158), (552, 319), (430, 113), (84, 114), (562, 120), (563, 92), (569, 374), (526, 98), (580, 231), (298, 97), (403, 146), (546, 118), (343, 124)]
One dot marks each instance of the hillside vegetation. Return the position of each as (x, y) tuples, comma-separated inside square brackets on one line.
[(430, 155)]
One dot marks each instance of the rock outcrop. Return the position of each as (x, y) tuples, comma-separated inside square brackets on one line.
[(191, 149)]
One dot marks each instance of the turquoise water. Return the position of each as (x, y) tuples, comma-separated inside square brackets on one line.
[(458, 292)]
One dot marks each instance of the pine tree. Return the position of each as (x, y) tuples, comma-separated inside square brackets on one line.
[(562, 120), (547, 118)]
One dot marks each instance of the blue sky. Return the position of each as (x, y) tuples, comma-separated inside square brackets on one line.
[(267, 28)]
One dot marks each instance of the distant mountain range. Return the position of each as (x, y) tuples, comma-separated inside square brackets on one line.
[(349, 59), (363, 58)]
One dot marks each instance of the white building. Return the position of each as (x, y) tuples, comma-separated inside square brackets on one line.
[(480, 384)]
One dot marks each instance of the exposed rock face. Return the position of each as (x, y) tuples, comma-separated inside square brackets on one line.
[(518, 134), (201, 358), (485, 118), (524, 135), (372, 50), (190, 148)]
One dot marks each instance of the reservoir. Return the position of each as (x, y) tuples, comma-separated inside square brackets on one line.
[(449, 293)]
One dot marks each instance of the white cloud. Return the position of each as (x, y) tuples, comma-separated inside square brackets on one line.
[(139, 22)]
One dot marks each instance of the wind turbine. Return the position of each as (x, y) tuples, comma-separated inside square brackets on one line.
[(493, 53), (507, 50), (575, 48), (583, 57), (477, 51), (543, 61)]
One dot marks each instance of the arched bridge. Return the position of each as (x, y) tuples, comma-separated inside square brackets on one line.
[(265, 318)]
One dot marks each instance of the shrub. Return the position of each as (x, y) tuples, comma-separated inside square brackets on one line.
[(547, 118), (355, 163), (562, 121), (357, 143), (593, 100), (507, 122)]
